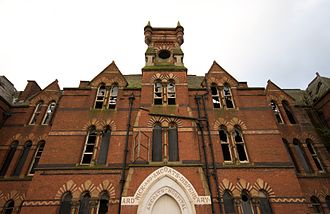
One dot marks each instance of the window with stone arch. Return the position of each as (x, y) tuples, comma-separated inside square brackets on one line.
[(157, 145), (36, 113), (264, 203), (104, 147), (22, 158), (316, 205), (289, 112), (276, 111), (314, 155), (291, 155), (246, 204), (227, 96), (100, 96), (113, 96), (9, 206), (66, 203), (228, 202), (88, 150), (301, 155), (327, 201), (49, 113), (237, 136), (37, 156), (171, 94), (215, 96), (225, 145), (103, 206), (173, 147), (5, 165), (158, 92), (84, 206)]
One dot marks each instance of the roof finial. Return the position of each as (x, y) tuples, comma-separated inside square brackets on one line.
[(317, 74), (149, 24), (179, 25)]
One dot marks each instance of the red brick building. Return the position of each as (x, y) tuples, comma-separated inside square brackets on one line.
[(162, 141)]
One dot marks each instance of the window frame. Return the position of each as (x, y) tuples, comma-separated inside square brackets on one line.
[(289, 113), (91, 130), (22, 158), (64, 199), (103, 194), (36, 113), (159, 152), (302, 156), (6, 207), (277, 112), (85, 195), (229, 96), (49, 114), (171, 93), (9, 158), (155, 96), (314, 155), (36, 156), (239, 130), (104, 146), (173, 147), (225, 143), (113, 95), (102, 96), (215, 97)]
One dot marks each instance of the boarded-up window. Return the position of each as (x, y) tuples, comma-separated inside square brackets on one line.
[(301, 156), (37, 157), (173, 143), (228, 203), (89, 146), (264, 203), (8, 158), (288, 112), (9, 207), (224, 144), (104, 203), (84, 207), (65, 207), (22, 158), (104, 146), (157, 143), (36, 113)]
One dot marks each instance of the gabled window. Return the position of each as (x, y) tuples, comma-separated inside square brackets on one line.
[(228, 201), (158, 93), (9, 207), (157, 143), (102, 159), (100, 97), (84, 207), (22, 158), (171, 93), (313, 153), (246, 203), (113, 96), (240, 145), (215, 96), (301, 155), (292, 157), (225, 146), (104, 203), (37, 157), (264, 203), (316, 205), (49, 113), (65, 207), (36, 113), (173, 143), (89, 146), (288, 112), (227, 96), (276, 111), (8, 158)]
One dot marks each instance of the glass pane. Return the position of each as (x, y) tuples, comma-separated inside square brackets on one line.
[(226, 152), (241, 152)]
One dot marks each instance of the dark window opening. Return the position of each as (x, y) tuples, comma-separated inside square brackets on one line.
[(89, 146), (171, 93), (173, 143), (104, 146), (314, 154), (292, 158), (228, 203), (157, 143), (264, 203), (301, 155), (241, 152), (158, 93), (49, 113), (164, 54), (276, 111), (100, 97), (36, 113), (22, 158), (224, 144), (215, 96), (246, 203), (240, 146), (84, 207), (316, 205), (37, 157), (65, 207), (9, 207), (104, 204), (113, 97), (288, 112), (8, 158), (227, 96)]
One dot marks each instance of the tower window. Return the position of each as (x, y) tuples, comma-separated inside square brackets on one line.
[(164, 54), (36, 113), (171, 93), (240, 145), (215, 96), (276, 111), (49, 113), (37, 157), (100, 97), (89, 146), (113, 97), (65, 207), (158, 93), (22, 158), (227, 96), (314, 155), (225, 144), (157, 143), (8, 158), (288, 112)]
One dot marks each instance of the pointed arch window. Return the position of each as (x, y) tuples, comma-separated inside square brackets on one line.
[(215, 96), (37, 157), (84, 207), (301, 155), (49, 113), (240, 145), (113, 96), (171, 92), (228, 96), (9, 207), (314, 155), (89, 146), (276, 111), (246, 204), (102, 159), (8, 158), (157, 143), (173, 143), (292, 157), (264, 203), (158, 93), (66, 202), (36, 113), (104, 203), (316, 205), (225, 146), (22, 158), (228, 201), (288, 112)]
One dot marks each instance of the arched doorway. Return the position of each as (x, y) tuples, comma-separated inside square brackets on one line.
[(166, 204)]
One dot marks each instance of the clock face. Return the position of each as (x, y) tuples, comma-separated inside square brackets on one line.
[(164, 54)]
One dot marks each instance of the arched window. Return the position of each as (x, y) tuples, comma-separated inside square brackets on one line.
[(65, 207), (327, 201), (37, 157), (104, 203), (8, 158), (292, 157), (102, 159), (113, 96), (89, 146), (36, 113), (215, 96), (276, 111), (49, 113), (316, 205), (9, 207), (264, 203), (173, 143), (313, 153), (157, 143), (228, 96), (240, 145), (171, 93), (246, 203), (158, 93), (301, 155), (288, 112), (225, 144), (100, 97), (228, 202), (22, 158), (84, 207)]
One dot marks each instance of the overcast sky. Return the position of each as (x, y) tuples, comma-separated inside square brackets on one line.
[(286, 41)]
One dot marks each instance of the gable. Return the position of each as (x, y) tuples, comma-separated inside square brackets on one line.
[(274, 92), (219, 76)]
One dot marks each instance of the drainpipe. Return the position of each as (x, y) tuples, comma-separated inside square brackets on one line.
[(123, 174)]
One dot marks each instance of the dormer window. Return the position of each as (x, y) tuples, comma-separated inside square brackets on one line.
[(158, 93), (106, 97), (227, 96)]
